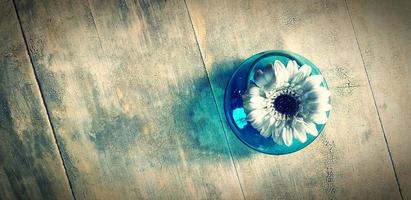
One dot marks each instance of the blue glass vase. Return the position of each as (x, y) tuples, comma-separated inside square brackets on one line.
[(233, 103)]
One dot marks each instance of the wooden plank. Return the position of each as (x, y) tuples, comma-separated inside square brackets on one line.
[(30, 164), (383, 30), (350, 159), (130, 100)]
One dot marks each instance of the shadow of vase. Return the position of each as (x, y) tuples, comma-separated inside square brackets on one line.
[(210, 135)]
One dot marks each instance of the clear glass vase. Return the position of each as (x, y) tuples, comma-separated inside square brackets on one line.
[(233, 103)]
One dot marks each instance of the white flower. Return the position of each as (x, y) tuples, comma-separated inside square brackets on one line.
[(286, 103)]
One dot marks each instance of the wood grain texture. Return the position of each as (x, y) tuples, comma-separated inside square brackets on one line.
[(129, 99), (383, 29), (30, 164), (350, 159)]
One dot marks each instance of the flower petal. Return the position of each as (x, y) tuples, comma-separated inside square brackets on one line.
[(323, 94), (310, 128), (287, 136), (323, 107), (253, 102), (265, 129), (279, 125), (320, 118), (314, 80), (259, 79), (267, 132), (316, 94), (276, 132), (257, 99), (269, 73), (264, 77), (249, 106), (281, 73), (277, 139), (299, 132), (254, 90), (305, 70), (302, 74), (292, 67), (256, 117), (311, 83), (300, 135), (309, 96), (316, 107)]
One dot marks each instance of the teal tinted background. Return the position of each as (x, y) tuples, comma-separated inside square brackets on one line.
[(233, 105)]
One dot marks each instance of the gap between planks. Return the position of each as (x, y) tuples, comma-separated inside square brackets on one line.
[(38, 84), (373, 98), (214, 98)]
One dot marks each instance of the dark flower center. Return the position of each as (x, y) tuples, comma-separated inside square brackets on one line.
[(286, 104)]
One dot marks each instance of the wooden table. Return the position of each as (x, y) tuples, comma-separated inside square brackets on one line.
[(119, 99)]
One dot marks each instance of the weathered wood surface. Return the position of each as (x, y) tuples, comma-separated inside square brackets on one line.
[(383, 29), (30, 164), (135, 116), (350, 159), (129, 99)]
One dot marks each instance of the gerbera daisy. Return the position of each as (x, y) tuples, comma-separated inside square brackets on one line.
[(286, 102)]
